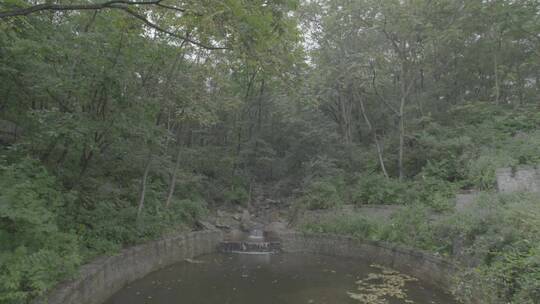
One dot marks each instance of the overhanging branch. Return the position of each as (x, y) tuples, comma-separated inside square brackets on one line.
[(160, 29), (72, 7), (123, 5)]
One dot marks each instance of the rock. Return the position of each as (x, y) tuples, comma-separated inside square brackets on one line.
[(224, 220), (276, 227), (236, 235), (245, 221), (224, 223), (273, 230), (206, 225), (192, 261), (271, 201)]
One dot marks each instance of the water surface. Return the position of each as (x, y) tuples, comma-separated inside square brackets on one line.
[(263, 279)]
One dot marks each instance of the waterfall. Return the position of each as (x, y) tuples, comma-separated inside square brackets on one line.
[(254, 243)]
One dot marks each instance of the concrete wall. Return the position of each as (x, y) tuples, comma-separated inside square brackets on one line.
[(521, 179), (102, 278), (9, 131), (426, 267)]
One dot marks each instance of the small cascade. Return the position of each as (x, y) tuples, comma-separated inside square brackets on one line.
[(254, 243)]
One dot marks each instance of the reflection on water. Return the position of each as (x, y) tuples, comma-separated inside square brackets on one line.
[(262, 279)]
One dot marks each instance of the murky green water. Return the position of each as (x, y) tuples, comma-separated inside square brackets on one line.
[(263, 279)]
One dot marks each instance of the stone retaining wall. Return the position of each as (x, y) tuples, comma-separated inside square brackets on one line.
[(424, 266), (517, 180), (102, 278)]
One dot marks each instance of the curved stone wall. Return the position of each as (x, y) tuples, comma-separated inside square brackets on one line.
[(100, 279), (426, 267)]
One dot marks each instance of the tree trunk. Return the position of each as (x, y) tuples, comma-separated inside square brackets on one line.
[(143, 184), (497, 84), (405, 89), (345, 110), (260, 109), (401, 138), (172, 184), (377, 144)]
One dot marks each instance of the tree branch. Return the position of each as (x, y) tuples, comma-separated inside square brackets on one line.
[(160, 29), (113, 4), (72, 7), (374, 84)]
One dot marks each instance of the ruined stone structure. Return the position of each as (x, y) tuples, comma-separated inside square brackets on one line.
[(525, 179)]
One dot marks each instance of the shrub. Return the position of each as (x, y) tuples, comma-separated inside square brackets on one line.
[(34, 252), (321, 194), (481, 174), (357, 226), (500, 235), (376, 189), (187, 211), (524, 148), (435, 193), (409, 226), (236, 195)]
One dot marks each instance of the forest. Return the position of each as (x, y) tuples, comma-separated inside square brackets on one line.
[(123, 121)]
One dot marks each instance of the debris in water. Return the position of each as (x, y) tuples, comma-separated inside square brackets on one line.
[(192, 261), (378, 287)]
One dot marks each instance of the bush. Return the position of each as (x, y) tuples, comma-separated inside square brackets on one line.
[(376, 189), (321, 194), (500, 236), (27, 273), (524, 148), (409, 226), (481, 174), (357, 226), (34, 253), (187, 211), (109, 226), (236, 195), (438, 194)]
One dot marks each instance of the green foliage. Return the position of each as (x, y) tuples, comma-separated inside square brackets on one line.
[(323, 185), (236, 195), (26, 273), (35, 253), (407, 226), (481, 173), (357, 226), (321, 194), (121, 109), (501, 233), (441, 152), (438, 194), (376, 189), (498, 236), (524, 147)]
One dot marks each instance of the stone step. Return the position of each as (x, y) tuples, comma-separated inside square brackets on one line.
[(249, 247)]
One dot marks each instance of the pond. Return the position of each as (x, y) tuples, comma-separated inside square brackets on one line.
[(277, 279)]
